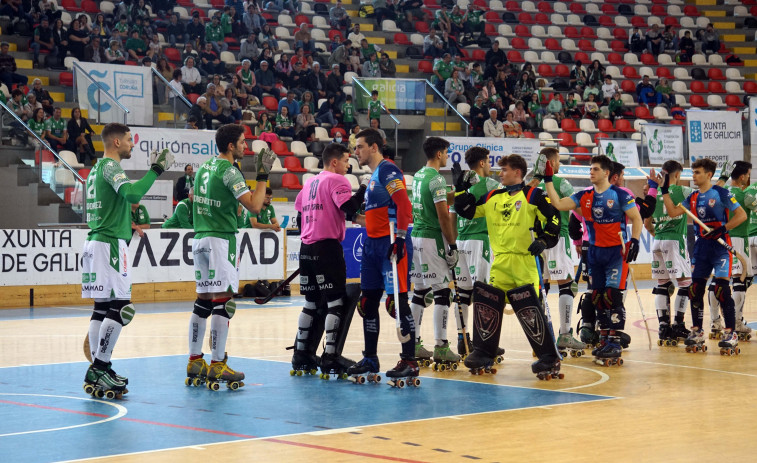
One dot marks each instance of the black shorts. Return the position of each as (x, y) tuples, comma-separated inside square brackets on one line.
[(322, 268)]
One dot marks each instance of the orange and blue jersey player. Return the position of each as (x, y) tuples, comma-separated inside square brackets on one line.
[(386, 200)]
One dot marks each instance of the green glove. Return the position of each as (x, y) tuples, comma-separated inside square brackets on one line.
[(725, 172), (161, 162), (263, 163)]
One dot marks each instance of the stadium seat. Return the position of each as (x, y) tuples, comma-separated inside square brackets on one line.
[(566, 139), (519, 44), (310, 164), (271, 103), (90, 7), (698, 87), (562, 70), (401, 39), (605, 125), (321, 134), (66, 79), (587, 125), (569, 125), (715, 74), (280, 148), (421, 27), (733, 101), (618, 46), (542, 19), (715, 101), (425, 66), (630, 72), (290, 182), (514, 56), (522, 31), (71, 6), (552, 44), (616, 59), (513, 6), (572, 33), (648, 59), (697, 101), (624, 125), (525, 18), (550, 125), (248, 135), (493, 17), (577, 8), (600, 135), (545, 70), (691, 11), (715, 87), (584, 139), (628, 86), (661, 113), (292, 164), (70, 159), (750, 87), (642, 112), (588, 33)]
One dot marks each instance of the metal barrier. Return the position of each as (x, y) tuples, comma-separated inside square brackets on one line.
[(396, 121), (446, 102), (174, 91)]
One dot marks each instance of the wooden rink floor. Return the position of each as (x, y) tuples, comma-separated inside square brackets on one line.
[(662, 405)]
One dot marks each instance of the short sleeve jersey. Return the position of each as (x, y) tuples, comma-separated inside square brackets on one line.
[(108, 213), (374, 109), (55, 127), (386, 180), (666, 227), (750, 196), (37, 127), (218, 187), (319, 202), (711, 207), (429, 188), (468, 229), (348, 112), (265, 215), (742, 231), (445, 69), (564, 190), (474, 17), (140, 216), (604, 214), (182, 215)]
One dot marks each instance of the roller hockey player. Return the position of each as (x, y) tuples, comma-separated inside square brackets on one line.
[(219, 189), (106, 276), (605, 208), (718, 209), (510, 214)]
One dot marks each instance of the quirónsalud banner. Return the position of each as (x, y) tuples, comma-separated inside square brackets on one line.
[(664, 142), (498, 147), (715, 135), (401, 94), (621, 150), (52, 257), (188, 147), (129, 85)]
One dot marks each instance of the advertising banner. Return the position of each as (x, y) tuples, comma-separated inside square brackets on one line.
[(753, 124), (621, 150), (716, 135), (188, 147), (663, 142), (129, 85), (402, 94), (498, 147)]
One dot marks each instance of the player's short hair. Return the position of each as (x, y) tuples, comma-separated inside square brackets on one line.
[(604, 162), (707, 164), (226, 134), (269, 191), (113, 130), (672, 167), (433, 145), (740, 168), (514, 161), (617, 169), (476, 154), (371, 136), (333, 151), (550, 153)]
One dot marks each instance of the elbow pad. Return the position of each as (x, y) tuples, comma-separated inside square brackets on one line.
[(575, 230), (465, 205)]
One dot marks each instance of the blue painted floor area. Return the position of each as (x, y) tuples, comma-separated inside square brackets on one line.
[(37, 403)]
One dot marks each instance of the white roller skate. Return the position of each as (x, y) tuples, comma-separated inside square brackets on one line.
[(567, 344), (743, 331), (729, 344), (716, 328), (695, 342), (444, 358)]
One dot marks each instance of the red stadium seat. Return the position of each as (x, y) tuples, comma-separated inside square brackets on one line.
[(605, 125), (750, 87), (522, 31), (172, 54), (519, 44), (697, 86), (715, 74), (628, 86), (618, 46), (544, 7), (624, 125), (562, 70), (545, 70), (301, 19), (648, 59), (642, 112), (192, 97), (280, 148), (630, 72), (566, 139), (600, 135), (616, 59), (66, 79), (638, 21), (527, 134), (552, 44), (697, 101), (421, 27), (490, 30), (581, 56), (248, 135), (70, 6), (569, 125), (514, 56), (292, 164), (493, 17), (586, 45), (513, 6), (588, 33), (671, 21), (571, 33), (715, 87), (271, 103), (691, 10), (479, 55), (619, 33), (90, 7), (290, 182), (606, 21), (662, 71), (609, 9), (425, 66), (543, 19), (577, 8), (337, 33), (432, 4), (525, 18), (734, 101), (336, 130), (401, 39)]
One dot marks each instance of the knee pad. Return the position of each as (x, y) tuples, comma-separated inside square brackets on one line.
[(419, 297), (442, 296), (697, 289), (390, 307), (596, 297), (683, 292), (748, 282), (369, 303), (739, 286), (569, 289), (224, 307), (121, 311), (722, 291), (203, 308), (465, 296), (613, 298), (336, 307), (100, 311), (664, 289)]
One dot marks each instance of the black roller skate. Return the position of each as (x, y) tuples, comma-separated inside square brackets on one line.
[(625, 339), (666, 337), (406, 372), (589, 336), (499, 357), (197, 372), (220, 372), (695, 342), (333, 364), (547, 368), (304, 362), (99, 383), (680, 333), (610, 353), (729, 344), (479, 363), (444, 358), (365, 369)]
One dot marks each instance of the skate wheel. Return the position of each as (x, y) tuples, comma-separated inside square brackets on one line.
[(234, 386), (292, 372), (454, 366), (561, 375), (416, 382), (659, 342), (197, 382), (400, 383), (493, 371), (187, 382), (343, 376), (313, 372), (674, 343), (442, 367), (99, 394), (110, 395), (434, 367), (377, 379), (711, 336), (299, 372), (361, 379), (89, 389), (748, 337), (620, 362), (579, 353), (704, 348), (738, 351), (215, 386)]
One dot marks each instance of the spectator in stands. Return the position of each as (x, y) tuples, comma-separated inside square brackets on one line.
[(615, 107), (264, 130), (284, 126), (449, 43), (371, 67), (571, 106), (670, 38), (441, 21), (454, 89), (214, 35), (240, 92), (185, 183), (432, 45), (77, 40), (512, 129), (355, 60), (94, 53), (327, 112), (535, 110), (8, 68), (334, 85), (114, 54), (591, 108), (266, 54), (382, 9), (338, 17), (596, 73), (60, 37), (307, 100), (122, 25), (665, 91), (100, 27), (687, 48), (248, 50), (297, 79), (56, 134), (591, 89), (636, 42), (176, 31), (443, 71), (80, 137), (609, 89), (37, 125), (117, 36), (305, 125), (174, 89), (493, 127), (227, 20), (43, 40), (266, 35), (317, 81), (340, 56), (353, 138), (196, 29), (16, 9), (197, 113), (252, 19), (191, 78), (135, 46), (375, 126), (47, 8), (655, 44), (413, 10), (266, 79), (209, 61), (473, 22), (556, 107), (164, 68), (231, 109), (520, 115), (710, 40), (387, 66), (154, 48), (503, 88), (524, 88), (283, 69), (303, 39), (249, 82), (367, 49), (31, 99), (22, 109), (348, 113), (646, 93), (189, 51), (355, 36), (478, 115), (139, 10), (43, 96), (456, 18), (578, 77), (495, 60), (215, 107), (293, 107)]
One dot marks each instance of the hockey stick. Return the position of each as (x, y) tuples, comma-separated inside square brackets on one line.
[(638, 298), (744, 264), (403, 338), (460, 312), (279, 289)]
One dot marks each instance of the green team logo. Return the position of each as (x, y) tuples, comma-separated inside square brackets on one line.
[(655, 144), (424, 268), (552, 264), (472, 269), (668, 264), (655, 264), (198, 275), (211, 274), (88, 277)]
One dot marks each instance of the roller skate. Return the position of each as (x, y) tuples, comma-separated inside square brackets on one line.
[(625, 339), (567, 344), (365, 369), (220, 372), (588, 336), (406, 372), (444, 358), (743, 331), (610, 353), (333, 364), (666, 337), (680, 333), (99, 383), (479, 363), (422, 354), (548, 368), (695, 341), (197, 372), (303, 362), (729, 344), (499, 357), (716, 328), (461, 345)]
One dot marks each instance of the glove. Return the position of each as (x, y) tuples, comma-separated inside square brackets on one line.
[(463, 179), (452, 256), (652, 184), (633, 250), (537, 247), (540, 166), (715, 233), (665, 188), (161, 162), (263, 163), (725, 172), (548, 172), (397, 249), (365, 180)]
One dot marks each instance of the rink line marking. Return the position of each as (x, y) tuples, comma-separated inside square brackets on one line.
[(638, 323), (712, 370)]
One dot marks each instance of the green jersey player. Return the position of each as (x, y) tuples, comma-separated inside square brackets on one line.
[(434, 249), (219, 188), (182, 215), (106, 275)]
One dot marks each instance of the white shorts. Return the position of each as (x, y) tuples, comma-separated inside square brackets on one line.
[(216, 263), (559, 261), (429, 266), (670, 260), (753, 253), (474, 264), (105, 270), (740, 245)]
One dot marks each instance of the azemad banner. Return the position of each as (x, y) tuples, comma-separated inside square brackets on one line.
[(403, 94), (188, 146), (129, 85), (52, 257), (716, 135), (663, 142), (621, 150), (498, 147)]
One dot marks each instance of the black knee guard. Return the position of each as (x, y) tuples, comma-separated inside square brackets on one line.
[(738, 286), (419, 296), (587, 307), (100, 311), (568, 289), (121, 311), (614, 309), (665, 289), (224, 307), (696, 296), (724, 297), (370, 302), (441, 296), (203, 308), (389, 305), (335, 305)]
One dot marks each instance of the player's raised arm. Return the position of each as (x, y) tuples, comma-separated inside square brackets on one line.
[(674, 210), (561, 204), (253, 202)]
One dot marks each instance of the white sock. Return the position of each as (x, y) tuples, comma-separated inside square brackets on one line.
[(332, 327), (738, 303), (566, 307), (417, 311), (94, 336), (680, 303), (219, 331), (714, 305), (440, 323), (197, 327), (109, 332)]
